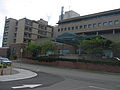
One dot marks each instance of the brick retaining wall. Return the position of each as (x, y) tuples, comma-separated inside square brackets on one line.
[(79, 65)]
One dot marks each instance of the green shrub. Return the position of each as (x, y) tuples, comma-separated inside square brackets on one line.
[(48, 59)]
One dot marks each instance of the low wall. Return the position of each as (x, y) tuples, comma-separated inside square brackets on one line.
[(79, 65)]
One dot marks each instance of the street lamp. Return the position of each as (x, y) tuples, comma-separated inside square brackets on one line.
[(21, 51)]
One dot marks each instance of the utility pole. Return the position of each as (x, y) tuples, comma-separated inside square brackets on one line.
[(21, 51)]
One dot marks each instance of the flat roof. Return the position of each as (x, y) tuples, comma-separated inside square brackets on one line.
[(115, 11)]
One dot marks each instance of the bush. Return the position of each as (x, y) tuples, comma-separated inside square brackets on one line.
[(48, 59)]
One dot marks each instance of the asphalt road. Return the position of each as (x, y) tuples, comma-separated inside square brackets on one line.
[(53, 78)]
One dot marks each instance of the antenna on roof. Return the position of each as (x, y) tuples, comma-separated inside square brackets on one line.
[(69, 4), (62, 11)]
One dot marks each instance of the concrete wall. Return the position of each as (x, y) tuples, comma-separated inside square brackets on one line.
[(9, 34), (20, 31)]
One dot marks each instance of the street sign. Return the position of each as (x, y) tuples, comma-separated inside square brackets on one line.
[(27, 86)]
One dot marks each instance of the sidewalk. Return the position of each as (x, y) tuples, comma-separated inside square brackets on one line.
[(18, 74)]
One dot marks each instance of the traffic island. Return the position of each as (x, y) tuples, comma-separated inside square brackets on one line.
[(6, 69)]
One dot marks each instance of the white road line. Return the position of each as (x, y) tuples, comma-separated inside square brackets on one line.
[(27, 86), (99, 88)]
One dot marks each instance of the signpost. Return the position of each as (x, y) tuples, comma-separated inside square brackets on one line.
[(21, 51)]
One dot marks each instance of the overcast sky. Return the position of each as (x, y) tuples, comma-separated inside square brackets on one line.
[(50, 9)]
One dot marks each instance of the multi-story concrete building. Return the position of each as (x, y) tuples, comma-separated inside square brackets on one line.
[(25, 31), (104, 23)]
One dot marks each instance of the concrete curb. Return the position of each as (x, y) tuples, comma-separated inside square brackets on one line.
[(23, 74)]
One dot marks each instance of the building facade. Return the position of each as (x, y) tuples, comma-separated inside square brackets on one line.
[(25, 31), (104, 23)]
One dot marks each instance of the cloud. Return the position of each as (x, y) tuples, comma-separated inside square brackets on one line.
[(3, 9), (36, 9)]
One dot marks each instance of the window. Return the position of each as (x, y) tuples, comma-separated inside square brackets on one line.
[(45, 28), (89, 25), (5, 40), (29, 35), (6, 28), (61, 29), (105, 24), (4, 45), (94, 25), (14, 40), (28, 22), (116, 22), (110, 23), (17, 23), (99, 24), (15, 34), (16, 29), (58, 30), (30, 29), (65, 29), (85, 26), (26, 27), (80, 27), (6, 34), (68, 28), (72, 28), (76, 27)]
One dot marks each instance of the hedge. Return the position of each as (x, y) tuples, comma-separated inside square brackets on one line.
[(47, 59)]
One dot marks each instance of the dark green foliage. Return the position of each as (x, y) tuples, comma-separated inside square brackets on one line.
[(42, 48), (47, 46), (34, 49), (115, 46), (48, 59), (94, 46)]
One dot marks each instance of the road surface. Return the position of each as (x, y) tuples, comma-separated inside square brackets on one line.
[(53, 78)]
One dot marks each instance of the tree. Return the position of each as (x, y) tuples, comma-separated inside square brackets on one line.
[(35, 49), (94, 46), (115, 46), (47, 46)]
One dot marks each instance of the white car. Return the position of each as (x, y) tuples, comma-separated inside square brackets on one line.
[(117, 58), (5, 61)]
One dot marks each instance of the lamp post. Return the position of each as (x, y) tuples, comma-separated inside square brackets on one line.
[(21, 51)]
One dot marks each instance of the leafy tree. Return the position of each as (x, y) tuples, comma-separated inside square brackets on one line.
[(115, 46), (94, 46), (35, 49), (47, 46)]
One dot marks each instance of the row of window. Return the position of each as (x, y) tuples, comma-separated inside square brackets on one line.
[(27, 40), (94, 25), (42, 32), (95, 17), (27, 35), (29, 22), (4, 45), (4, 39)]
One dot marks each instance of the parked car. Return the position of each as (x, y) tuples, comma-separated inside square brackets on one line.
[(5, 61), (116, 58)]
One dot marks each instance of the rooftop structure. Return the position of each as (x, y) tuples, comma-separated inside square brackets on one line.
[(104, 23)]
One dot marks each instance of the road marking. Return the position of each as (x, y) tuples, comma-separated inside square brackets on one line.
[(27, 86), (99, 88)]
